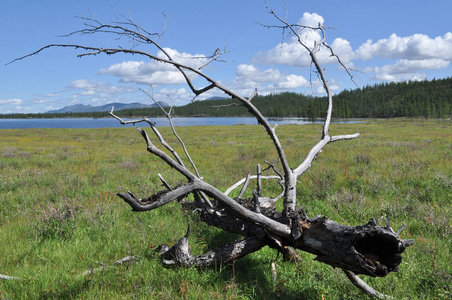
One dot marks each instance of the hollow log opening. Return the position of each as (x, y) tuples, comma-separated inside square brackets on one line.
[(383, 252), (367, 249)]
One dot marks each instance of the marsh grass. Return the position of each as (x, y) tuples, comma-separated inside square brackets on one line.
[(59, 215)]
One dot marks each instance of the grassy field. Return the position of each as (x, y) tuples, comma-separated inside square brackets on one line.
[(59, 215)]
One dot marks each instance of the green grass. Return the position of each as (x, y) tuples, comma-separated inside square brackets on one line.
[(59, 215)]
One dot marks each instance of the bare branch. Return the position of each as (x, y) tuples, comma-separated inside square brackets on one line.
[(165, 184), (272, 166), (259, 181), (341, 63), (158, 199), (170, 119), (358, 282), (244, 186), (344, 137), (104, 266), (399, 231), (156, 132), (245, 180), (225, 105), (5, 277)]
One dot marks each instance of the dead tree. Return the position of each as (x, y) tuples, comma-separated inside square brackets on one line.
[(369, 249)]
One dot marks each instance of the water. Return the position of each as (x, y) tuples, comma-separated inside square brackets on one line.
[(160, 122)]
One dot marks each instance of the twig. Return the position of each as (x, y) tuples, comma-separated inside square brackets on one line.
[(241, 181), (170, 119), (5, 277), (104, 266), (358, 282)]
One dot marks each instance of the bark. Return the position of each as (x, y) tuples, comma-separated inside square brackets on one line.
[(366, 249), (180, 254)]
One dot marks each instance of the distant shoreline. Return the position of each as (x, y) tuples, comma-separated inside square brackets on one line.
[(159, 122)]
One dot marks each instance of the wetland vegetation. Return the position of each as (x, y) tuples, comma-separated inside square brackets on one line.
[(60, 217)]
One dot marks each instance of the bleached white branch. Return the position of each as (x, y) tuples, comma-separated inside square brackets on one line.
[(6, 277), (243, 180)]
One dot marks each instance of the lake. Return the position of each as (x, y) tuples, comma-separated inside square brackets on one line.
[(160, 122)]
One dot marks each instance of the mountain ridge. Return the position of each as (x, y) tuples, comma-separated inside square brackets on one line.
[(83, 108)]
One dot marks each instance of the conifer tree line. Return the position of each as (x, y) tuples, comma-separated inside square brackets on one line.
[(428, 99)]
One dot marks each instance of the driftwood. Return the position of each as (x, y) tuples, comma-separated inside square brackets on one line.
[(368, 249)]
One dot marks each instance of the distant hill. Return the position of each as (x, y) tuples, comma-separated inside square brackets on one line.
[(428, 99), (82, 108)]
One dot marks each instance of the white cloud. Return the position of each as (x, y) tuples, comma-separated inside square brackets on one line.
[(88, 93), (156, 73), (343, 50), (408, 69), (293, 54), (415, 47), (249, 77), (11, 106), (312, 20), (11, 102), (145, 73), (408, 56), (410, 66), (94, 87), (290, 82), (174, 96), (412, 54), (250, 73), (52, 95)]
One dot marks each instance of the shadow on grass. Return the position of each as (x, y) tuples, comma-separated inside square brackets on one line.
[(69, 292), (252, 274)]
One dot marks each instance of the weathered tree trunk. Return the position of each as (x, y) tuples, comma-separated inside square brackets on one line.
[(367, 249)]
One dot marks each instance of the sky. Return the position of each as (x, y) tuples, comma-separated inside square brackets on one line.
[(381, 41)]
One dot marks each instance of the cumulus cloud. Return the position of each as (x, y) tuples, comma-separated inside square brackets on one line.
[(249, 73), (290, 82), (293, 54), (409, 66), (250, 77), (405, 69), (155, 73), (412, 54), (415, 47), (404, 58)]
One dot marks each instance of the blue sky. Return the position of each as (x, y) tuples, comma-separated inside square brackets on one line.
[(382, 40)]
